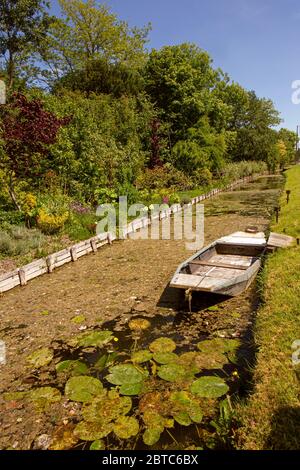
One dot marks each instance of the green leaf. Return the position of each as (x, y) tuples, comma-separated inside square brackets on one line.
[(43, 397), (172, 373), (83, 388), (151, 436), (162, 345), (141, 356), (210, 360), (106, 408), (14, 396), (195, 413), (139, 324), (209, 387), (63, 438), (182, 417), (92, 431), (165, 357), (97, 445), (126, 374), (40, 358), (220, 345), (95, 339), (74, 367), (126, 427), (131, 389)]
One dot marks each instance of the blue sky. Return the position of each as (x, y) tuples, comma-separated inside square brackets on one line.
[(255, 42)]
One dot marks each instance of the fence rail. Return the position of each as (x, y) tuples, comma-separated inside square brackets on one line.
[(20, 276)]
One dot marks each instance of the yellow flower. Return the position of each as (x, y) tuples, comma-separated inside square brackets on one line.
[(116, 339)]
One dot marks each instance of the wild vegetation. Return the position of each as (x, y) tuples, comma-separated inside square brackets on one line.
[(91, 114), (269, 419)]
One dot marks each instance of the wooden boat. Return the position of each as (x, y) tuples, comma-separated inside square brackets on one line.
[(227, 266)]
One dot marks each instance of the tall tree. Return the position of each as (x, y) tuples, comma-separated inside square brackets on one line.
[(89, 31), (23, 28)]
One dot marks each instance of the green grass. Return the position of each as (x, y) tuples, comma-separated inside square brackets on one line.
[(270, 418)]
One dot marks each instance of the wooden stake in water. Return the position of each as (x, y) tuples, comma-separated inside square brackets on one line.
[(2, 92)]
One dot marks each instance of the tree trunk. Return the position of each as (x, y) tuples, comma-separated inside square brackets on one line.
[(12, 194)]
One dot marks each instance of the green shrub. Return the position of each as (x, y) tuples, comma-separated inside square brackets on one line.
[(18, 240)]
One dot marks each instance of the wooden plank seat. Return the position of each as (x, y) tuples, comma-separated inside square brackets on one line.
[(219, 265)]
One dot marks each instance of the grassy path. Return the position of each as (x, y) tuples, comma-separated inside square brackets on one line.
[(271, 417)]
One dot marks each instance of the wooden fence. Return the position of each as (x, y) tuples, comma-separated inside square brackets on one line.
[(20, 276)]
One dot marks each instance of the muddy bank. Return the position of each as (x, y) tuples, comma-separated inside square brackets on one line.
[(108, 289)]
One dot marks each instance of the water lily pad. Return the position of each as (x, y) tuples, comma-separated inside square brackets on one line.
[(131, 389), (189, 362), (139, 324), (141, 356), (91, 339), (73, 367), (14, 396), (92, 431), (183, 418), (63, 438), (106, 408), (78, 319), (83, 388), (221, 345), (209, 387), (162, 345), (40, 358), (210, 360), (153, 419), (151, 436), (44, 396), (126, 427), (195, 413), (165, 357), (126, 374), (172, 372), (97, 445)]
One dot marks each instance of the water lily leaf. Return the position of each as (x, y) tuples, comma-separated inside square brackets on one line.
[(106, 408), (95, 339), (139, 324), (92, 431), (126, 427), (40, 358), (221, 345), (165, 357), (44, 396), (195, 413), (181, 398), (73, 367), (78, 319), (151, 436), (211, 360), (14, 396), (126, 374), (172, 372), (63, 438), (153, 419), (131, 389), (182, 417), (141, 356), (209, 387), (97, 445), (189, 362), (162, 345), (83, 388)]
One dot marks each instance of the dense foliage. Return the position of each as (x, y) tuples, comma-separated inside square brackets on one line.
[(115, 119)]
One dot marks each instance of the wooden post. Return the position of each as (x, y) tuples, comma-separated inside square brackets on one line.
[(277, 210), (50, 263), (73, 252), (288, 193), (94, 245), (298, 241), (22, 276)]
